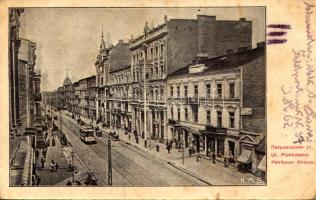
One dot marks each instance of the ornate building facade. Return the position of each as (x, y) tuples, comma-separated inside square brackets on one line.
[(164, 49), (212, 107)]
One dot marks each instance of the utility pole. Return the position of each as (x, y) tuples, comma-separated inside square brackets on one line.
[(144, 94), (109, 162), (182, 148), (72, 165), (60, 121)]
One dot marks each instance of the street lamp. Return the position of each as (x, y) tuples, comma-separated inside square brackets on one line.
[(72, 166)]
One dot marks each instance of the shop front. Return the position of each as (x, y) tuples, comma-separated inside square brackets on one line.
[(215, 141), (249, 158), (188, 136)]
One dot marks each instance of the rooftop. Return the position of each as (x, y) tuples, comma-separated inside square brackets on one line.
[(228, 61)]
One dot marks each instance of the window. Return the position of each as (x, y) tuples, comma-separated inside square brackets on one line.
[(161, 69), (219, 90), (156, 51), (152, 53), (171, 91), (186, 114), (232, 90), (161, 50), (208, 117), (156, 71), (231, 119), (186, 91), (178, 91), (195, 115), (208, 90), (171, 111), (101, 80), (196, 91), (219, 118), (161, 94), (178, 114)]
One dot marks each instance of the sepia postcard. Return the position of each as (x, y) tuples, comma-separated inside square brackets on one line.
[(158, 100)]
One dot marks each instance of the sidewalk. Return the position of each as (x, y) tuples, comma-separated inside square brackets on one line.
[(205, 170), (53, 153)]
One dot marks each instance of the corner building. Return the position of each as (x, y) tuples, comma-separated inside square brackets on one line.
[(164, 49), (217, 106)]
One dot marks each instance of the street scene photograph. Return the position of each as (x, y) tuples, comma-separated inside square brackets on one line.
[(137, 97)]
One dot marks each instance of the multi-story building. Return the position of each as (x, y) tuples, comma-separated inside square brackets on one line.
[(91, 97), (28, 83), (163, 49), (85, 90), (69, 94), (14, 44), (120, 96), (110, 58), (37, 97), (75, 100), (217, 105)]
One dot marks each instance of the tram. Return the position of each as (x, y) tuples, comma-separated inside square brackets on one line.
[(87, 134)]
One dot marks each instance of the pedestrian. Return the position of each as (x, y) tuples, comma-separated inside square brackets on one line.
[(52, 166), (137, 140), (225, 162), (69, 183), (44, 152), (38, 180), (42, 161), (168, 147), (129, 137), (56, 166), (157, 148), (36, 154), (213, 157), (53, 142)]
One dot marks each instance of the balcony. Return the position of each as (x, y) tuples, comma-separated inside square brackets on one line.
[(38, 97), (193, 100), (172, 121)]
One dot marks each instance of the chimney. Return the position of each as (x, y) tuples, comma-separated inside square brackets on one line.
[(241, 49), (166, 18)]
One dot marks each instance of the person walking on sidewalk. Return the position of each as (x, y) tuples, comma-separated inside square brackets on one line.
[(168, 147), (129, 137), (42, 161), (213, 157), (69, 183), (38, 180)]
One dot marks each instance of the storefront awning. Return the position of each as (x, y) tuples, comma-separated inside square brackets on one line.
[(245, 156), (262, 165)]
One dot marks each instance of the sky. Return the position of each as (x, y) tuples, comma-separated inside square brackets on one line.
[(68, 39)]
